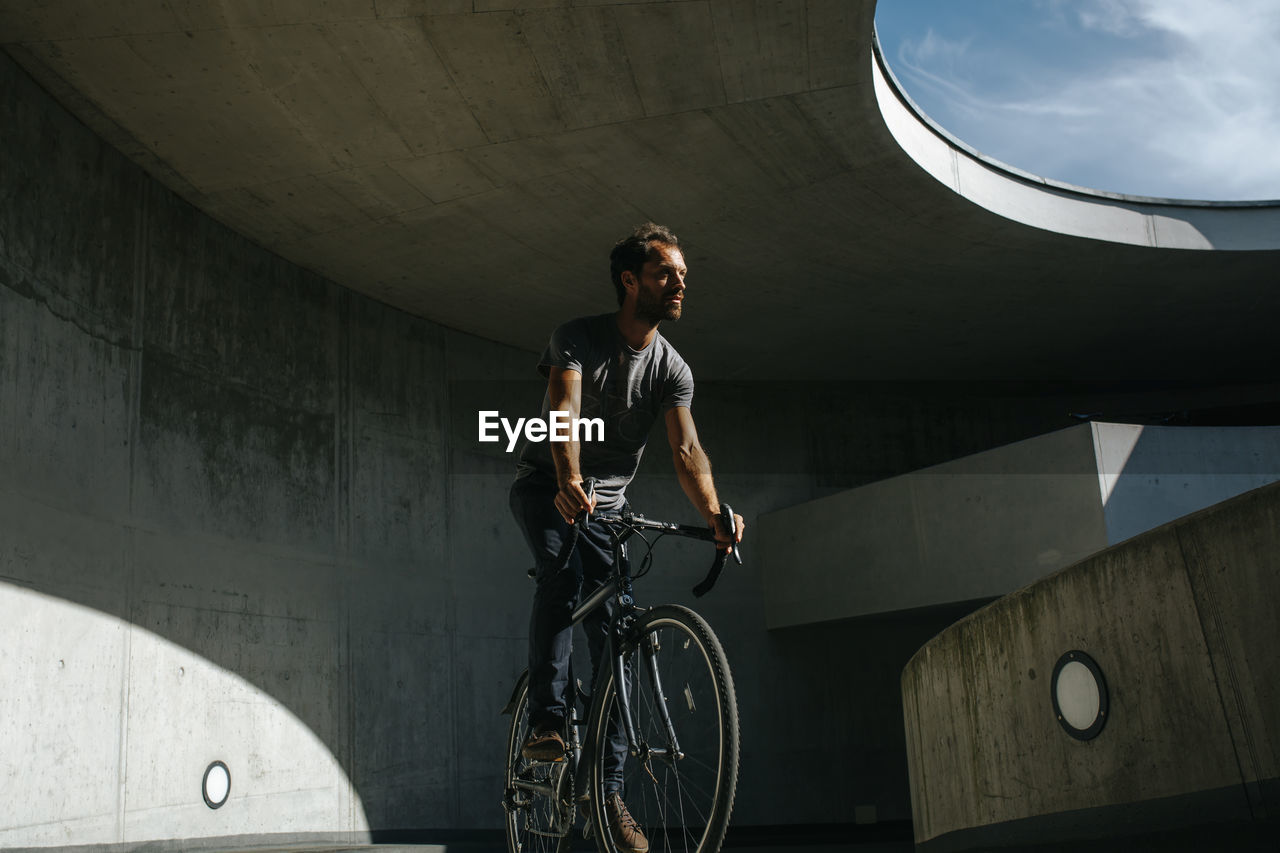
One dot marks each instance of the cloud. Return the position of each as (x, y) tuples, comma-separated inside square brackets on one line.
[(1206, 106), (1185, 106), (934, 47), (1110, 16), (937, 62)]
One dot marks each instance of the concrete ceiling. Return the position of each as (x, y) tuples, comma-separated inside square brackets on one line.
[(472, 162)]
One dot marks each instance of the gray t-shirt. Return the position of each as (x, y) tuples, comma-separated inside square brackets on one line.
[(628, 388)]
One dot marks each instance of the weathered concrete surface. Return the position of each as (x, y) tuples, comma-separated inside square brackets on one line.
[(1183, 623), (218, 504), (244, 517), (245, 509), (981, 526), (466, 161)]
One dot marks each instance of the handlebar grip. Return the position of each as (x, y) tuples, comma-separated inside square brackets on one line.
[(717, 565), (566, 547), (709, 581)]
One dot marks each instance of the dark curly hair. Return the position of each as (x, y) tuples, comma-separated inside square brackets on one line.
[(630, 253)]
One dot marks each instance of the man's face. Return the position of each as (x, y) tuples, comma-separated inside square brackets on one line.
[(660, 294)]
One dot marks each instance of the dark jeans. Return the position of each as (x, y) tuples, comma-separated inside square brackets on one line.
[(551, 695)]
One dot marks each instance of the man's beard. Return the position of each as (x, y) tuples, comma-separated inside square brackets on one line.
[(654, 309)]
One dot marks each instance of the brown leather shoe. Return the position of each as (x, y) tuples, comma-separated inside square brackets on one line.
[(545, 745), (623, 827)]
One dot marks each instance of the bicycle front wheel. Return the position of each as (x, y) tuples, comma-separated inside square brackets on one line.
[(538, 797), (679, 784)]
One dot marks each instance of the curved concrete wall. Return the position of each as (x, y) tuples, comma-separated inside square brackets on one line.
[(244, 516), (223, 515), (1076, 211), (1183, 623)]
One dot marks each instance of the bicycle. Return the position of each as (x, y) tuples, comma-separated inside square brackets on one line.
[(679, 714)]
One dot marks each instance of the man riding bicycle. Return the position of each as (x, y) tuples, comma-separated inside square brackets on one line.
[(618, 368)]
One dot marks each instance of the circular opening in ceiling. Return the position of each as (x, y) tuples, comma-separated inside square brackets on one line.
[(216, 785), (1150, 99)]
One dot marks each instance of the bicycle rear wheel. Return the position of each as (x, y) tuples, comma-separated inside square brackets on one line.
[(539, 794), (679, 790)]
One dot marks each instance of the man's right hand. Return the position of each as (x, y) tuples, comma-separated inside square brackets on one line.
[(572, 499)]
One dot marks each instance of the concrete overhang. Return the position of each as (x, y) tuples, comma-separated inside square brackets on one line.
[(472, 163), (1062, 208)]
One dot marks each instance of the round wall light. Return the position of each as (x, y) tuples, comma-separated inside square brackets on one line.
[(1079, 693), (216, 785)]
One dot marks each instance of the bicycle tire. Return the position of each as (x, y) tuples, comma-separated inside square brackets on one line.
[(530, 819), (681, 804)]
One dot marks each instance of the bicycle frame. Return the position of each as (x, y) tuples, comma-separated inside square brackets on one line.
[(619, 587), (554, 788)]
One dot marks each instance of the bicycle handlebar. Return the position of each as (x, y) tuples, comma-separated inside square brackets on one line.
[(637, 522), (717, 565)]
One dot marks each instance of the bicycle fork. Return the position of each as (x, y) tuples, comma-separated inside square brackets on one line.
[(647, 647), (651, 649)]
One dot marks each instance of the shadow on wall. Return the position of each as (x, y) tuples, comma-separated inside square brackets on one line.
[(91, 773), (228, 596), (1152, 475), (229, 515), (849, 697)]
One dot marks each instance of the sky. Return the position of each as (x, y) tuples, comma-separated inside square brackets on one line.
[(1163, 98)]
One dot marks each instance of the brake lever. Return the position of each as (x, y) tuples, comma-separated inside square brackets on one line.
[(575, 530), (588, 486), (731, 524)]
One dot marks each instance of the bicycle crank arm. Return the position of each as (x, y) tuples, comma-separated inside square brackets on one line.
[(545, 789)]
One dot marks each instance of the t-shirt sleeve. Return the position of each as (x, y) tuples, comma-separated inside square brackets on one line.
[(678, 389), (567, 348)]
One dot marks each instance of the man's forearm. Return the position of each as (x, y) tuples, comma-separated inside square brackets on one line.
[(693, 470), (564, 392), (565, 456)]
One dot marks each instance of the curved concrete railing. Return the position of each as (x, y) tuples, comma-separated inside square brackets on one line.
[(1181, 622), (1063, 208)]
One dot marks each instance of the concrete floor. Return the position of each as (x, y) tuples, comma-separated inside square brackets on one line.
[(883, 838), (487, 847)]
